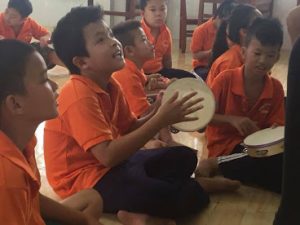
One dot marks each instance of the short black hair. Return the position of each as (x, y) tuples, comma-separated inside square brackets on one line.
[(143, 4), (24, 7), (124, 31), (267, 31), (68, 38), (225, 9), (14, 56)]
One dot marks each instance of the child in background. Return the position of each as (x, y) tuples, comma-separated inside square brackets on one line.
[(204, 36), (154, 13), (231, 34), (15, 23), (249, 99), (24, 86)]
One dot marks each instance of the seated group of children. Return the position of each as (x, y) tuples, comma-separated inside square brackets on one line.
[(100, 153)]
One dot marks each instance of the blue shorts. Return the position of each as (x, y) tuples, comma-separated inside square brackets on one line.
[(155, 182)]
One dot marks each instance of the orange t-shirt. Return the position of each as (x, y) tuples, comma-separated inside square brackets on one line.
[(162, 45), (19, 184), (202, 40), (88, 116), (228, 89), (133, 81), (29, 30), (230, 59)]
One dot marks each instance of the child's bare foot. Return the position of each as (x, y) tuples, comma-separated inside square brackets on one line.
[(128, 218), (218, 184), (207, 168)]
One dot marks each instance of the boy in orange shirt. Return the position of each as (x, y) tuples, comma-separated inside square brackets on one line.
[(95, 141), (15, 23), (154, 13), (249, 99), (204, 36), (231, 35), (24, 86)]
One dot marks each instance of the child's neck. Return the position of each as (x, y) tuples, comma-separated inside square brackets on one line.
[(19, 133), (155, 32), (137, 62), (102, 81)]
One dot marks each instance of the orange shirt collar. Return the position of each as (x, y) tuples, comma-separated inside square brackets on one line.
[(238, 85), (91, 84), (11, 152), (147, 30)]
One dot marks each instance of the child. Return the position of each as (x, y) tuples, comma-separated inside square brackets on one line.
[(154, 14), (95, 141), (137, 50), (204, 36), (249, 99), (24, 86), (231, 35), (15, 23)]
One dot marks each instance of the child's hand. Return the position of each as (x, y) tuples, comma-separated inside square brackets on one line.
[(1, 37), (156, 81), (92, 221), (244, 125), (177, 110), (44, 41)]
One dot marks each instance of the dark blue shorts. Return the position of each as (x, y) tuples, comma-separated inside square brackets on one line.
[(156, 182)]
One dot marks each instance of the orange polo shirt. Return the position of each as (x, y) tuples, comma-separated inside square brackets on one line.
[(162, 45), (202, 40), (29, 30), (228, 89), (133, 81), (88, 116), (230, 59), (19, 184)]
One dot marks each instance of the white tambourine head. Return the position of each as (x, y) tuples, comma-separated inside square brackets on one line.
[(185, 86)]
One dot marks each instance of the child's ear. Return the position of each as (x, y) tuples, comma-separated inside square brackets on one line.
[(15, 104), (80, 62)]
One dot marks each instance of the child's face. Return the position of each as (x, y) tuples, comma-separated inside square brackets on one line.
[(105, 51), (12, 17), (259, 59), (155, 13), (39, 102), (143, 49)]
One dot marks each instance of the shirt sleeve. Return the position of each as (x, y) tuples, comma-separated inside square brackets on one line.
[(86, 123), (197, 40), (135, 95), (38, 31)]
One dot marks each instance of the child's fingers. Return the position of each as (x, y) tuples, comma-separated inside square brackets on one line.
[(187, 97), (192, 103), (173, 98), (193, 109)]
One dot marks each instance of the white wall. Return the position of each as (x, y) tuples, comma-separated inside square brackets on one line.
[(281, 9), (48, 12)]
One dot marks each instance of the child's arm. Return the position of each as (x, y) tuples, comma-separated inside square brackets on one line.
[(111, 153), (200, 55), (244, 125), (52, 210)]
